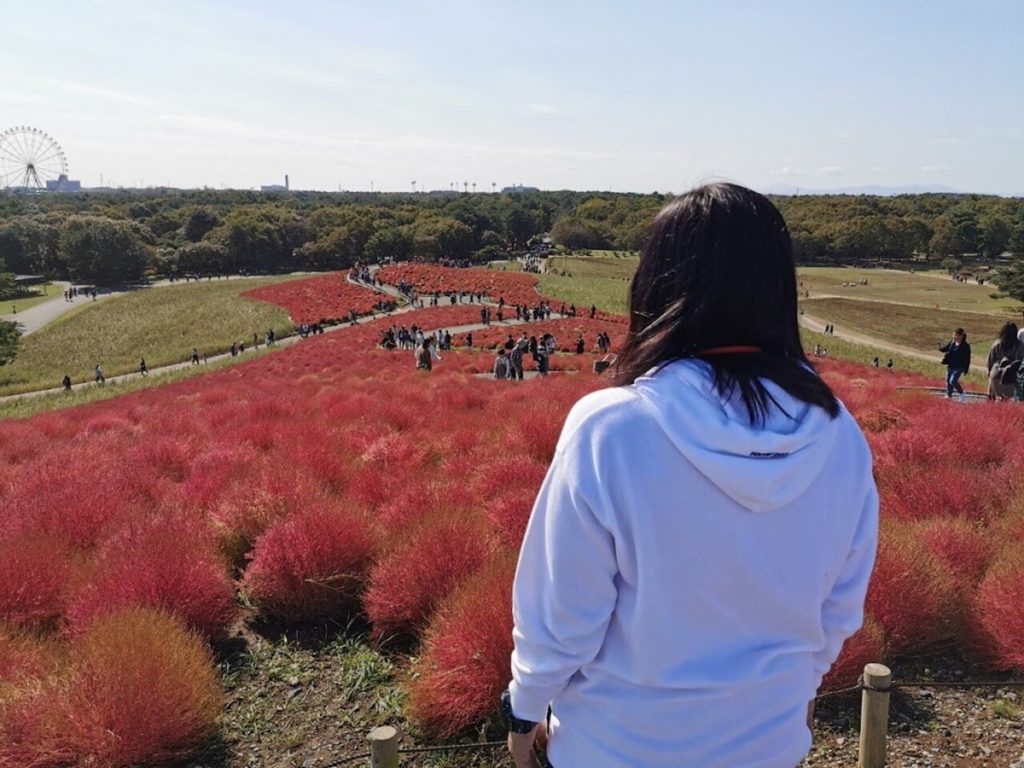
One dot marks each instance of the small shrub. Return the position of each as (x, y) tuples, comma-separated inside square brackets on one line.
[(168, 564), (865, 646), (137, 688), (963, 548), (311, 565), (34, 575), (509, 513), (998, 612), (143, 690), (411, 579), (910, 595), (467, 647)]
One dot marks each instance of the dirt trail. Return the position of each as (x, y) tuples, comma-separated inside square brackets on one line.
[(815, 324)]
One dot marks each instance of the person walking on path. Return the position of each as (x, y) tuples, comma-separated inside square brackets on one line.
[(681, 588), (516, 359), (957, 359), (195, 356), (66, 383), (502, 367), (100, 378), (1004, 362), (143, 368), (426, 354)]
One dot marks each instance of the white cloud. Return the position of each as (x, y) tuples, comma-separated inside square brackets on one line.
[(544, 109), (785, 171), (833, 170), (935, 168)]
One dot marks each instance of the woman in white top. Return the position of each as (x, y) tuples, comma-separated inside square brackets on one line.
[(701, 546)]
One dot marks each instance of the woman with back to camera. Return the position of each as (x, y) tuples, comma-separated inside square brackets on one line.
[(1004, 363), (701, 545)]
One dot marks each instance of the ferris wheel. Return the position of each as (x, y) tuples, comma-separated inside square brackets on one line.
[(29, 158)]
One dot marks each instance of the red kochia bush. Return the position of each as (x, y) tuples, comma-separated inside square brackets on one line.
[(961, 547), (865, 646), (465, 661), (34, 576), (140, 689), (311, 565), (910, 595), (167, 564), (998, 612), (412, 578)]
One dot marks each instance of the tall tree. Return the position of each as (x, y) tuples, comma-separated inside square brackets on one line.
[(102, 251)]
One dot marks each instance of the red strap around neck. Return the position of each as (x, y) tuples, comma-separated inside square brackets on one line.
[(739, 349)]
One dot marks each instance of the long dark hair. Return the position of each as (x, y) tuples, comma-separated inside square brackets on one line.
[(1008, 336), (718, 271)]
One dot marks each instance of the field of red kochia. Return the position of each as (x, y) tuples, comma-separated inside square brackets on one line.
[(321, 299), (332, 478)]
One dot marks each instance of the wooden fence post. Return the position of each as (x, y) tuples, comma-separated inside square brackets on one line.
[(383, 747), (874, 715)]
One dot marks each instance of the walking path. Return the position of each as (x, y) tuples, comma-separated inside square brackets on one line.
[(815, 324)]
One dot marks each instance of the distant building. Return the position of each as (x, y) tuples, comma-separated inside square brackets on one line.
[(518, 189), (276, 187), (63, 184)]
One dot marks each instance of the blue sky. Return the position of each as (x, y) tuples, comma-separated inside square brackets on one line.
[(635, 96)]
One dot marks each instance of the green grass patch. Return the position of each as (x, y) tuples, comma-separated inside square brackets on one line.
[(37, 295), (609, 294), (160, 324), (919, 328), (841, 349), (506, 266), (926, 290), (583, 268)]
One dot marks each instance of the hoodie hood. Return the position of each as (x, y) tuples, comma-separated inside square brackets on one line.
[(760, 466)]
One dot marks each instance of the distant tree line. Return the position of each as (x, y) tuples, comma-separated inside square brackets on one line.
[(123, 236)]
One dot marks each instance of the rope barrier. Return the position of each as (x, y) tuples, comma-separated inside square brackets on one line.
[(860, 686)]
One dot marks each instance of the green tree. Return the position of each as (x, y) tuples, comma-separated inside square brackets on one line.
[(102, 251), (391, 243), (520, 226), (10, 338), (199, 222), (995, 234), (202, 259), (945, 240), (576, 234)]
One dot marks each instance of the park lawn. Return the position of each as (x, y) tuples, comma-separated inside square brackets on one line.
[(37, 295), (607, 293), (926, 290), (919, 328), (842, 349), (160, 324), (506, 266), (586, 267)]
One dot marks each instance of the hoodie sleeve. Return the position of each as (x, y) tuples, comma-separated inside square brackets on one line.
[(564, 590), (843, 611)]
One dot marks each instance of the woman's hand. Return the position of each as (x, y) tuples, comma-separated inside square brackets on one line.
[(522, 746)]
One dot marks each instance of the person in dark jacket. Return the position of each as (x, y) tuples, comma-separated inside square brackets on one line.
[(957, 359), (1004, 363)]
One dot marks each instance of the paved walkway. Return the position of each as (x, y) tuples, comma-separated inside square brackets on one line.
[(34, 318)]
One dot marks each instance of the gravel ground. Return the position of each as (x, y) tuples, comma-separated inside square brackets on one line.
[(931, 726)]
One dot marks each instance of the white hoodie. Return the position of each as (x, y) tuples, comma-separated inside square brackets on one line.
[(687, 579)]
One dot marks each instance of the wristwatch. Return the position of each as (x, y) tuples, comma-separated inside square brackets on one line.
[(515, 725)]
